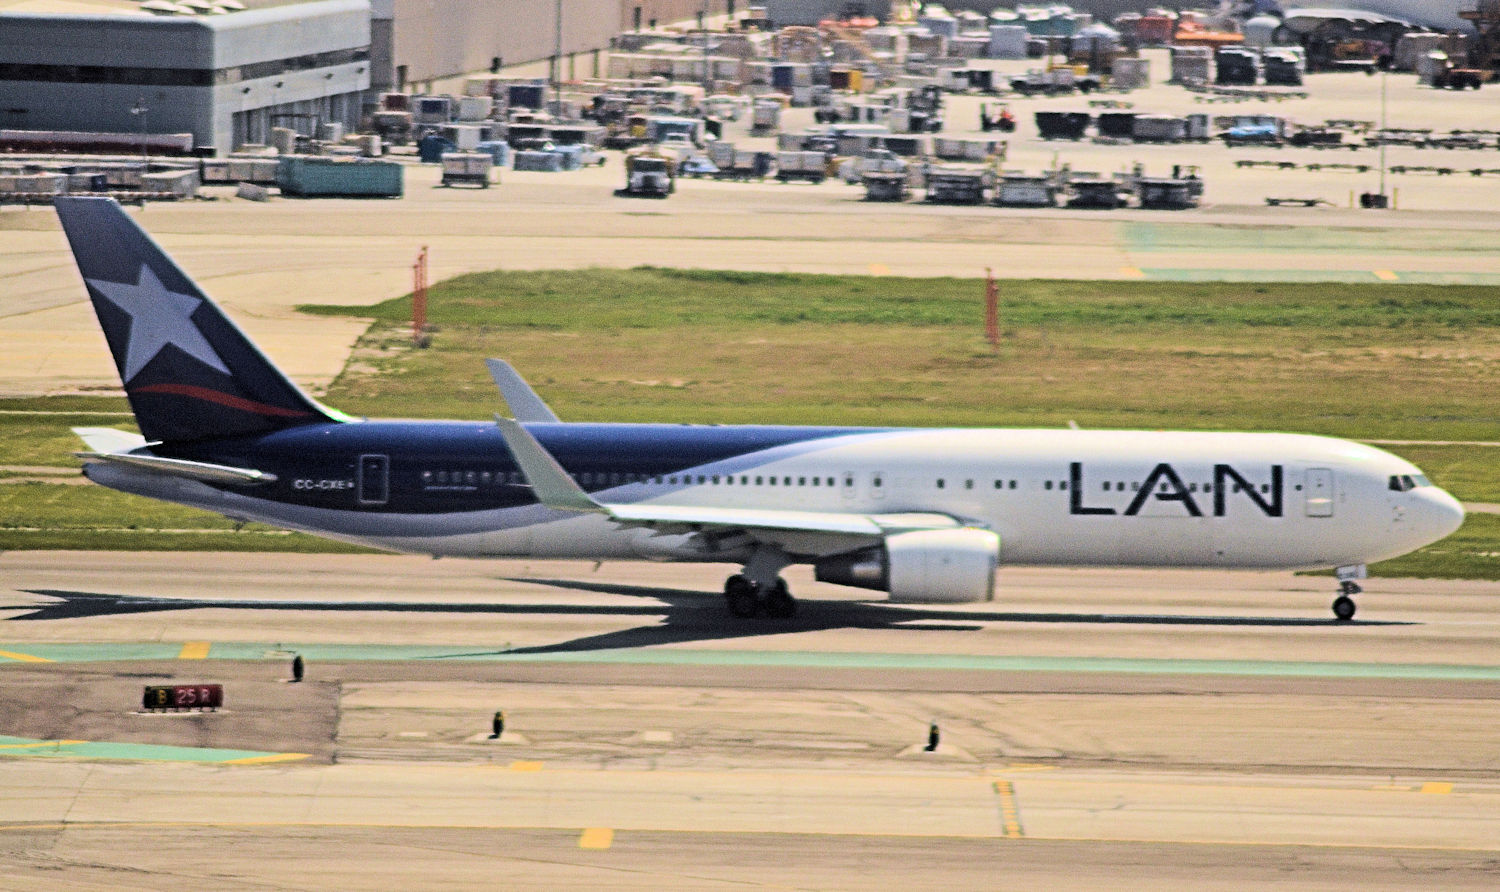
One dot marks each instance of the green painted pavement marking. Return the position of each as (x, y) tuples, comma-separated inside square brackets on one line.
[(17, 747), (335, 653), (1211, 274), (1324, 240)]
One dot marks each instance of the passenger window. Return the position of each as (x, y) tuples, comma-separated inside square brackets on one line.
[(758, 481), (940, 483), (1062, 484), (1047, 485), (1013, 484), (729, 481), (801, 481), (442, 478), (426, 478), (968, 484)]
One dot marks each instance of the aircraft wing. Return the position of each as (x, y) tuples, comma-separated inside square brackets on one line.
[(556, 489), (524, 403)]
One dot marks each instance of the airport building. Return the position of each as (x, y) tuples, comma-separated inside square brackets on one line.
[(226, 79), (227, 75)]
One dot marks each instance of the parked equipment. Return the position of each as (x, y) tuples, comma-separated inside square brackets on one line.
[(649, 175), (470, 168)]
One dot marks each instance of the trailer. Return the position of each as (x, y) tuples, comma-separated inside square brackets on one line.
[(1094, 193), (808, 167), (957, 185), (1023, 191)]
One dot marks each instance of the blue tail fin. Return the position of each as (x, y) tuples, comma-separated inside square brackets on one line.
[(189, 372)]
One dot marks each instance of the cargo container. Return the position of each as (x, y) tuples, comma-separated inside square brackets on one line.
[(174, 183), (470, 168), (1020, 190), (811, 167), (315, 177), (532, 160), (1062, 125), (1159, 128), (955, 149), (532, 96)]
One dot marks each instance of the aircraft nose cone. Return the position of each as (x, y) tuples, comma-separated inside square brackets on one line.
[(1440, 513)]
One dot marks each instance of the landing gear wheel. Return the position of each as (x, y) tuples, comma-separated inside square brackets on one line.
[(1343, 608), (742, 598), (779, 603)]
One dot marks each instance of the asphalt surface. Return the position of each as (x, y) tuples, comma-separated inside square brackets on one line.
[(1205, 730)]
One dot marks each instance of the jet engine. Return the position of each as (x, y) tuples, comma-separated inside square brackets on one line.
[(922, 567)]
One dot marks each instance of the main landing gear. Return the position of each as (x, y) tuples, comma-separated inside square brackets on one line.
[(759, 590), (1343, 605), (747, 600)]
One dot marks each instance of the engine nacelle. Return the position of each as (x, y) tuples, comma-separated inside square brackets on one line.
[(922, 567)]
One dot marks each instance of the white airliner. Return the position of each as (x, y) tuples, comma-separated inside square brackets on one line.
[(924, 515)]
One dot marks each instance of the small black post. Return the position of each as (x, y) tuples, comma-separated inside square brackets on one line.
[(499, 724), (932, 737), (297, 668)]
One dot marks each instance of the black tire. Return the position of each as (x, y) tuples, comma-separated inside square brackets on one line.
[(741, 597), (779, 603), (1343, 608)]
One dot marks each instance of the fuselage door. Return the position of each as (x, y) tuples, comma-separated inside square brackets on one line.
[(1319, 492), (374, 479)]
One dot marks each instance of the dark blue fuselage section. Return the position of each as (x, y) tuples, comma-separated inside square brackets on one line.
[(429, 467)]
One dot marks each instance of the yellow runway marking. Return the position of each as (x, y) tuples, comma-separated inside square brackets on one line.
[(879, 269), (262, 760), (23, 658), (194, 650), (1022, 766), (1132, 272), (596, 838), (1437, 787), (39, 744), (829, 834), (1386, 275), (1010, 815), (525, 766)]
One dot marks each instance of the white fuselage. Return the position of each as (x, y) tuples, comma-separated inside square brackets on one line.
[(1054, 497)]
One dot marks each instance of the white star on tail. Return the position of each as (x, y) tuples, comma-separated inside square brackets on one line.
[(158, 317)]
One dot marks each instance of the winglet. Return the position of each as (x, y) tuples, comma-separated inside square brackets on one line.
[(524, 404), (549, 482)]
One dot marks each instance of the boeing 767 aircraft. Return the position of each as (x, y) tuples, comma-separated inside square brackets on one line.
[(926, 515)]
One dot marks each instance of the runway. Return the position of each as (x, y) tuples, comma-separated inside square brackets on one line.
[(1140, 728)]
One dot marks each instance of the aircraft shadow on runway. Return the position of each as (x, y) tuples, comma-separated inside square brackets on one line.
[(686, 616)]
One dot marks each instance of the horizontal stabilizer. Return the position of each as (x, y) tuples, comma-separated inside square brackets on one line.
[(109, 439), (524, 404), (177, 467)]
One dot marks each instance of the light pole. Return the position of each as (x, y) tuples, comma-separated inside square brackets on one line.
[(139, 110), (557, 58), (1384, 73)]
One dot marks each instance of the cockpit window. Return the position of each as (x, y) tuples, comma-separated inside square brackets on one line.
[(1407, 482)]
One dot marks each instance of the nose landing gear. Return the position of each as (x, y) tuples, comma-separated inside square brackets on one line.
[(1343, 605)]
